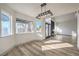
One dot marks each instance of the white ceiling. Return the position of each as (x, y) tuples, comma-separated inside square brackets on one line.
[(26, 8), (33, 9)]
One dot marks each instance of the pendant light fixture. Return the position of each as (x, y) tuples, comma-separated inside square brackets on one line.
[(44, 12)]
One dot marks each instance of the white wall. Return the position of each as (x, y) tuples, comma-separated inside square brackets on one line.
[(66, 24), (23, 38), (9, 42)]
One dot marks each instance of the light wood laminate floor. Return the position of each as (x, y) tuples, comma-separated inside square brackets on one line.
[(46, 47)]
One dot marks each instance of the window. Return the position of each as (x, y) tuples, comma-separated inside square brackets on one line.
[(48, 20), (20, 27), (5, 24), (38, 25), (32, 26), (23, 26)]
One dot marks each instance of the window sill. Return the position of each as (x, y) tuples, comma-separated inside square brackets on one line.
[(6, 36), (25, 33)]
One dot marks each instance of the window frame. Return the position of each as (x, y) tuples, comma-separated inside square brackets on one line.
[(10, 19), (26, 23)]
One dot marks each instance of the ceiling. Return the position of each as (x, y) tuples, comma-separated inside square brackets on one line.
[(33, 9)]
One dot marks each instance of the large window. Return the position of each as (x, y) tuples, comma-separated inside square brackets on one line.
[(5, 24), (23, 26)]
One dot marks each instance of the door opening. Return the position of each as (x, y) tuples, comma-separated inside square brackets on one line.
[(49, 29)]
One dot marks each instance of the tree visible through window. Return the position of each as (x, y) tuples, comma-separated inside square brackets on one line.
[(38, 25)]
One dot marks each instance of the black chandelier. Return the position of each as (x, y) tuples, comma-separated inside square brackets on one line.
[(44, 13)]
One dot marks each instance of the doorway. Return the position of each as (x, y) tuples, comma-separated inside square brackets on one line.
[(49, 29)]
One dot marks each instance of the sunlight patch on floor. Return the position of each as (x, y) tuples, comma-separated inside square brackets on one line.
[(52, 41), (56, 46)]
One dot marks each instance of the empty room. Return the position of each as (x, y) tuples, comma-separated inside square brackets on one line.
[(39, 29)]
